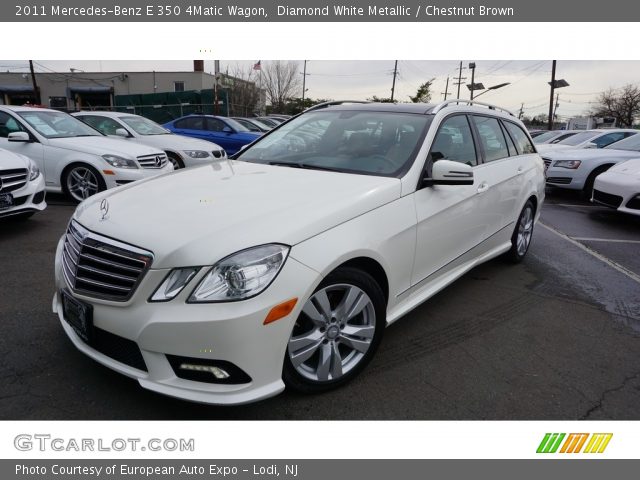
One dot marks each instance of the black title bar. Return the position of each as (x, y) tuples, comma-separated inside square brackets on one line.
[(318, 11)]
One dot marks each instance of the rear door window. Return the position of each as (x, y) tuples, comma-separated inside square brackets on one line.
[(491, 138)]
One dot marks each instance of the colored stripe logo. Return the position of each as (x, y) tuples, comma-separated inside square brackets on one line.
[(574, 443)]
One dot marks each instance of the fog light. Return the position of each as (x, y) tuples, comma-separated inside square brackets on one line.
[(216, 371)]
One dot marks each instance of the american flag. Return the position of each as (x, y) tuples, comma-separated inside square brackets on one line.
[(257, 66)]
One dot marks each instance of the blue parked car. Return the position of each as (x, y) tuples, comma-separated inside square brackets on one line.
[(224, 131)]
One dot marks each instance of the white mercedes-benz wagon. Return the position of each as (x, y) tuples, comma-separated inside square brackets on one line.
[(227, 282)]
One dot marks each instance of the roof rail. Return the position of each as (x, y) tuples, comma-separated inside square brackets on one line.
[(333, 102), (459, 101)]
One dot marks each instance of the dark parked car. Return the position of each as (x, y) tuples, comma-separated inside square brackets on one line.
[(224, 131)]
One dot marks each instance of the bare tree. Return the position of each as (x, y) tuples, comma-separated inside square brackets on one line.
[(281, 82), (244, 91), (622, 104)]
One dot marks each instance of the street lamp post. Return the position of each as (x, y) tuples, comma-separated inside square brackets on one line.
[(479, 86), (472, 66), (554, 84)]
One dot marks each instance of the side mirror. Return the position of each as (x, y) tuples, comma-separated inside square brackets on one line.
[(446, 172), (19, 137), (121, 132), (591, 145)]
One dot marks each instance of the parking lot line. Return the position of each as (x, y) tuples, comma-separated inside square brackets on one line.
[(593, 253), (574, 205), (612, 240)]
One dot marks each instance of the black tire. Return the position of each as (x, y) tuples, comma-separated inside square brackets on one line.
[(522, 232), (176, 160), (587, 190), (369, 320), (80, 167)]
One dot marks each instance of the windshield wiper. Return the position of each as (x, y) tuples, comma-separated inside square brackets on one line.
[(307, 166)]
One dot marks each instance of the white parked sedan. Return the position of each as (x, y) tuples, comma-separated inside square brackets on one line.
[(284, 266), (619, 187), (182, 151), (589, 139), (74, 158), (21, 186), (576, 169)]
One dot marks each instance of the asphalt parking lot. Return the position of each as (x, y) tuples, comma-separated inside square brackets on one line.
[(556, 337)]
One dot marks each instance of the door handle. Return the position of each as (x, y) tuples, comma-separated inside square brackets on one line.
[(520, 169), (483, 187)]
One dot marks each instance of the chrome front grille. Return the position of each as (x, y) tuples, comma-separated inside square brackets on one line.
[(153, 161), (100, 267), (13, 179)]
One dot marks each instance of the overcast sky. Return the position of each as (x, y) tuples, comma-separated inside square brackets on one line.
[(358, 80)]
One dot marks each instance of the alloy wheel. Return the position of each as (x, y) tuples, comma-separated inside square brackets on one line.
[(333, 333), (525, 229), (82, 183)]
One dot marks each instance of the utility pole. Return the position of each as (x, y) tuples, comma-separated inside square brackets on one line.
[(393, 86), (472, 66), (553, 86), (459, 79), (556, 106), (446, 90), (304, 82), (36, 92), (521, 111)]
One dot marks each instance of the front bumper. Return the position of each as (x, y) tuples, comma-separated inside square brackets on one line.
[(565, 178), (230, 332), (122, 176), (28, 199), (621, 192), (196, 162)]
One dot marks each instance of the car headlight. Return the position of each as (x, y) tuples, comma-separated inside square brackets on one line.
[(197, 153), (34, 171), (572, 164), (120, 162), (173, 284), (242, 275)]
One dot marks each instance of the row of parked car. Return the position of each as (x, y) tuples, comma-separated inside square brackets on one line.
[(86, 152), (603, 164)]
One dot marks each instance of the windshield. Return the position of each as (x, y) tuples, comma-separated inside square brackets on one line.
[(543, 137), (57, 124), (632, 143), (144, 126), (364, 142), (579, 138), (236, 125)]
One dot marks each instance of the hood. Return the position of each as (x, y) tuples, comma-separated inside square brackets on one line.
[(627, 168), (172, 141), (200, 215), (10, 160), (589, 153), (545, 147), (99, 145)]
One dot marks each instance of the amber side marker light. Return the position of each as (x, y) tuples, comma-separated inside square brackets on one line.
[(108, 172), (280, 311)]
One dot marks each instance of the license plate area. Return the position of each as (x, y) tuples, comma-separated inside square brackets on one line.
[(79, 315), (6, 201)]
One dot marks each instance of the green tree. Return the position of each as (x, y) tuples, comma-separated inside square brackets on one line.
[(377, 99), (423, 95)]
